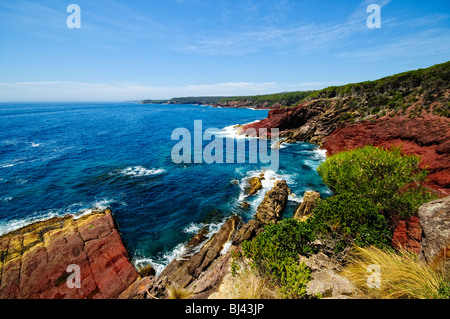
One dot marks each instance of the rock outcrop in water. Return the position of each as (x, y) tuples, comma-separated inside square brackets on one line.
[(275, 200), (34, 259)]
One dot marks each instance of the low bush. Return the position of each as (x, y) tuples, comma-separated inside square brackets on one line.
[(390, 179), (275, 253), (350, 218)]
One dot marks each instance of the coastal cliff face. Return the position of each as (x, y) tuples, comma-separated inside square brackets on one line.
[(34, 259), (427, 137), (318, 122), (408, 110)]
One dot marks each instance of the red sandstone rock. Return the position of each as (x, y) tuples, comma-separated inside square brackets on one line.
[(427, 137), (34, 259), (408, 235)]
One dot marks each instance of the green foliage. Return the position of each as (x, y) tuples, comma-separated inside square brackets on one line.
[(388, 178), (275, 253), (287, 98), (444, 290), (294, 279), (350, 218)]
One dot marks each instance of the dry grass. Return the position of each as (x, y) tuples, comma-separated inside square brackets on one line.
[(245, 284), (174, 292), (402, 274)]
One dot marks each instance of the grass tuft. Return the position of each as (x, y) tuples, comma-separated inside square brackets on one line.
[(174, 292), (402, 274)]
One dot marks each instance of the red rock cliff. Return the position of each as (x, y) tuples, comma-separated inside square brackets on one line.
[(34, 259)]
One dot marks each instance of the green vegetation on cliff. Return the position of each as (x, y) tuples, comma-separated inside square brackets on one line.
[(390, 179), (408, 93), (285, 99), (267, 100), (393, 95), (372, 187)]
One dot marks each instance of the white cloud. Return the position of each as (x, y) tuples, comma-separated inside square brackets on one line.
[(427, 44), (78, 91), (302, 38)]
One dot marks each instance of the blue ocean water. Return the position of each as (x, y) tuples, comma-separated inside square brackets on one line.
[(71, 158)]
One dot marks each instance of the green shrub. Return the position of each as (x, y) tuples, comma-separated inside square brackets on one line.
[(350, 218), (387, 177), (444, 290), (275, 252)]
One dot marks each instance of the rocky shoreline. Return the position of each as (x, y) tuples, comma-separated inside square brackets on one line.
[(34, 259)]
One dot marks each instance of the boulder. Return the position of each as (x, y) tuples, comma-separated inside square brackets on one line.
[(435, 221), (247, 232), (325, 280), (138, 289), (183, 272), (329, 284), (147, 271), (255, 185), (306, 207), (274, 203)]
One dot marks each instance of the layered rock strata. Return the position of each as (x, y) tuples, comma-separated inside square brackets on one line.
[(34, 259)]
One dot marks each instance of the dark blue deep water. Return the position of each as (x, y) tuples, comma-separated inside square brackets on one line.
[(67, 158)]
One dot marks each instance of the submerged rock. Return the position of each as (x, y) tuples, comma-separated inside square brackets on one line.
[(255, 185), (147, 271), (199, 238)]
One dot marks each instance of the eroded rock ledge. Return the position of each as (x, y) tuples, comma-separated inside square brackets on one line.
[(34, 259)]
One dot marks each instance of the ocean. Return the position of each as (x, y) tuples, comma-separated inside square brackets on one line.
[(72, 158)]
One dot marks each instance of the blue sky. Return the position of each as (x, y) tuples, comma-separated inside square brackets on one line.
[(131, 50)]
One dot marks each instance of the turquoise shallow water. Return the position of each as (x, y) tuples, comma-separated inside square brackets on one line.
[(70, 158)]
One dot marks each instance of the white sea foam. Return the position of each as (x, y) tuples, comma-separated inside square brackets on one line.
[(76, 210), (235, 131), (192, 228), (270, 177), (320, 154), (294, 198), (180, 251), (5, 199), (160, 262), (232, 131), (226, 247), (139, 171)]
